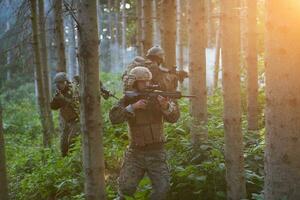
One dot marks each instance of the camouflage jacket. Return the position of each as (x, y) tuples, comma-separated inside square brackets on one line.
[(160, 76), (145, 126), (67, 103)]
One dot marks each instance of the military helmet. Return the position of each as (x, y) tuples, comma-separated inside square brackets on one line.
[(60, 77), (139, 60), (156, 51), (140, 73)]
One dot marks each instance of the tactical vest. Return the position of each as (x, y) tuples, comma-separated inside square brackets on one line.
[(146, 127), (70, 111), (164, 79)]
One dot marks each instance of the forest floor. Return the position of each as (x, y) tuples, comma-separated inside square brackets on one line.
[(196, 173)]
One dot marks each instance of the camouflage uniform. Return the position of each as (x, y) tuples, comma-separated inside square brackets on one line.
[(138, 61), (68, 104), (145, 153), (162, 77)]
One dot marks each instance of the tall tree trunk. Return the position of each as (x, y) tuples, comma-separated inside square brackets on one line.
[(197, 70), (39, 75), (217, 58), (9, 53), (282, 164), (110, 32), (251, 63), (208, 12), (123, 33), (60, 38), (168, 31), (156, 22), (3, 174), (181, 22), (44, 65), (234, 159), (73, 64), (50, 35), (148, 34), (93, 158), (116, 55), (139, 33)]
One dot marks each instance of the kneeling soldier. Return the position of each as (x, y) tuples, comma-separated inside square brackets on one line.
[(146, 153)]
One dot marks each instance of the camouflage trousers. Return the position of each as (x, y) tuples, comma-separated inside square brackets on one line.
[(136, 164), (70, 130)]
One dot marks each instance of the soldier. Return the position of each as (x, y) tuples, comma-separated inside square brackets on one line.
[(146, 151), (66, 100), (167, 78), (162, 76), (138, 61)]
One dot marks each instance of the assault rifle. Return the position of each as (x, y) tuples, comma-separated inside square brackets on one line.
[(153, 94), (105, 93)]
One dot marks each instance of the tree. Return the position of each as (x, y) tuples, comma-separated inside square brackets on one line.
[(197, 70), (148, 25), (181, 22), (3, 175), (156, 22), (208, 12), (91, 123), (60, 38), (251, 64), (123, 32), (45, 120), (73, 64), (44, 65), (282, 162), (9, 52), (139, 35), (110, 32), (217, 58), (168, 31), (234, 159)]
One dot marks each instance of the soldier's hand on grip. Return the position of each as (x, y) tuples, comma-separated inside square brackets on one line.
[(140, 104)]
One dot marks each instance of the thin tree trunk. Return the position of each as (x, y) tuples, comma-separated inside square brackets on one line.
[(282, 163), (51, 42), (44, 66), (117, 60), (93, 158), (156, 23), (73, 64), (60, 38), (123, 33), (251, 63), (39, 75), (197, 70), (168, 31), (148, 34), (234, 159), (3, 173), (208, 11), (139, 33), (181, 12), (110, 32), (9, 53), (217, 58)]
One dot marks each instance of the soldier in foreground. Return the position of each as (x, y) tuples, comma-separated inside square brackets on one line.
[(66, 100), (146, 153)]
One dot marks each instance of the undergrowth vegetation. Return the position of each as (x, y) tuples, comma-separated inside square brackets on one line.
[(198, 172)]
